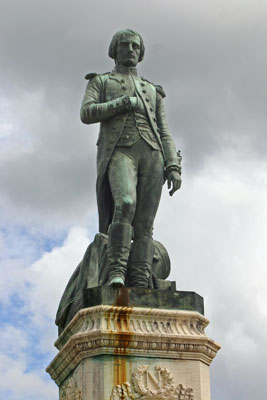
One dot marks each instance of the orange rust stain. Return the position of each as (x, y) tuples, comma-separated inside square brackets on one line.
[(123, 299), (108, 321), (123, 336)]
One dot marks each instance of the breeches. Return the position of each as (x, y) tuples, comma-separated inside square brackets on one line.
[(136, 176)]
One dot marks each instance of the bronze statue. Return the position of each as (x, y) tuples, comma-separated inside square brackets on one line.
[(136, 153)]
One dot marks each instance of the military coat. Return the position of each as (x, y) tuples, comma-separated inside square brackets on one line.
[(106, 101)]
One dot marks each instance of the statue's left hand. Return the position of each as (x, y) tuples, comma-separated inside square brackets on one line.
[(174, 180)]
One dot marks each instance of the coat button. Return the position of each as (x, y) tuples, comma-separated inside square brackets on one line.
[(122, 80), (142, 84), (147, 99), (154, 119), (124, 88), (151, 109), (143, 91)]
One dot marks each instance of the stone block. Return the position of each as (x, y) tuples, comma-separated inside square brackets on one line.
[(148, 298)]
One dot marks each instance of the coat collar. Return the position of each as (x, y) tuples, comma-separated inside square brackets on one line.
[(125, 70)]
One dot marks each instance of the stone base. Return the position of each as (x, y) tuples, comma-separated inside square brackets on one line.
[(111, 377), (120, 353)]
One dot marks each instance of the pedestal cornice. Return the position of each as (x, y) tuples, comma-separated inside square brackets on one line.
[(135, 331)]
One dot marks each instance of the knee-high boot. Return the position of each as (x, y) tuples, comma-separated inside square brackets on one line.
[(140, 263), (118, 249)]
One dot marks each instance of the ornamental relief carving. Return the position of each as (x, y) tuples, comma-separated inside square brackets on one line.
[(146, 385), (190, 326), (146, 345), (114, 319), (70, 391)]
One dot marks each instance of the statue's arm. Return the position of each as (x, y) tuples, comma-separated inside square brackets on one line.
[(95, 109), (172, 162), (168, 145)]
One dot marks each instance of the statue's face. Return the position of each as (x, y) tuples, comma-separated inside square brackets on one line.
[(128, 51)]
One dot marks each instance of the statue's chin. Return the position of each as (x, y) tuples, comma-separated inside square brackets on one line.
[(128, 63)]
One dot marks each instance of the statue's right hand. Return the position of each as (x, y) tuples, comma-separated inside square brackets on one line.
[(134, 103)]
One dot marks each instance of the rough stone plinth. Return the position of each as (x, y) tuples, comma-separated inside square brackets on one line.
[(116, 352), (148, 298)]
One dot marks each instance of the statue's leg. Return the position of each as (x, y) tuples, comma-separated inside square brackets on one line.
[(149, 187), (140, 263), (122, 178), (118, 248)]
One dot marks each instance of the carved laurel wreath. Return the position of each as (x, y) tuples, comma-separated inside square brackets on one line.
[(166, 391)]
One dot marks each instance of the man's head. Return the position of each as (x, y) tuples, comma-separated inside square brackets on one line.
[(127, 48)]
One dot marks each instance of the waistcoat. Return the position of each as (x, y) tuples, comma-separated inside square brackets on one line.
[(137, 124)]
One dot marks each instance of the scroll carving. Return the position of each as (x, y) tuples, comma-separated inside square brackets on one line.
[(70, 391), (146, 385)]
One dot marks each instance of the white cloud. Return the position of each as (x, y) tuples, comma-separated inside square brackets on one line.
[(26, 341), (215, 230), (48, 277), (17, 381), (13, 341), (11, 278), (18, 384)]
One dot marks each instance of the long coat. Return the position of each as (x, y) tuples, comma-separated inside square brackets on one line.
[(105, 101)]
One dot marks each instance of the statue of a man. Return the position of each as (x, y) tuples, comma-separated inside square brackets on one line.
[(135, 153)]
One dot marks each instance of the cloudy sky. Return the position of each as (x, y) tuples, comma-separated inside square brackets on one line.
[(210, 57)]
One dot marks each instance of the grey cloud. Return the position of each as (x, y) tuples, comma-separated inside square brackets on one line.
[(210, 59)]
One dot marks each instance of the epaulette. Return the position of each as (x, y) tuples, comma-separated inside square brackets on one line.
[(160, 90), (158, 87), (146, 80), (91, 75)]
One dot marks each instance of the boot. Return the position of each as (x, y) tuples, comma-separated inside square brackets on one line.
[(141, 263), (118, 249)]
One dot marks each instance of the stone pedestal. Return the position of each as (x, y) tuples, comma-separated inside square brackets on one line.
[(121, 352)]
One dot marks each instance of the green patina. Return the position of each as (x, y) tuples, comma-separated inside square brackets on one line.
[(136, 154)]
